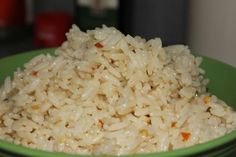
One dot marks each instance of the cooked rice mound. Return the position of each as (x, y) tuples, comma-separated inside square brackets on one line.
[(107, 93)]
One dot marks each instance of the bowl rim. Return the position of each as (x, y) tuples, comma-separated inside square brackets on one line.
[(219, 142)]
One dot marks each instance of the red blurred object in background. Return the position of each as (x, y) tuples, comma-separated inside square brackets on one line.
[(12, 13), (50, 28)]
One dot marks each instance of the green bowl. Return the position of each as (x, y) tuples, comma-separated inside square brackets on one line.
[(222, 83)]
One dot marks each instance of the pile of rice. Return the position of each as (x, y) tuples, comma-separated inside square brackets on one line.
[(107, 93)]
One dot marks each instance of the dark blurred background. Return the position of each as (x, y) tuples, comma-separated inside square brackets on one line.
[(208, 26)]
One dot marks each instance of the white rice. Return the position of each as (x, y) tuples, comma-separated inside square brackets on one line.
[(107, 93)]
